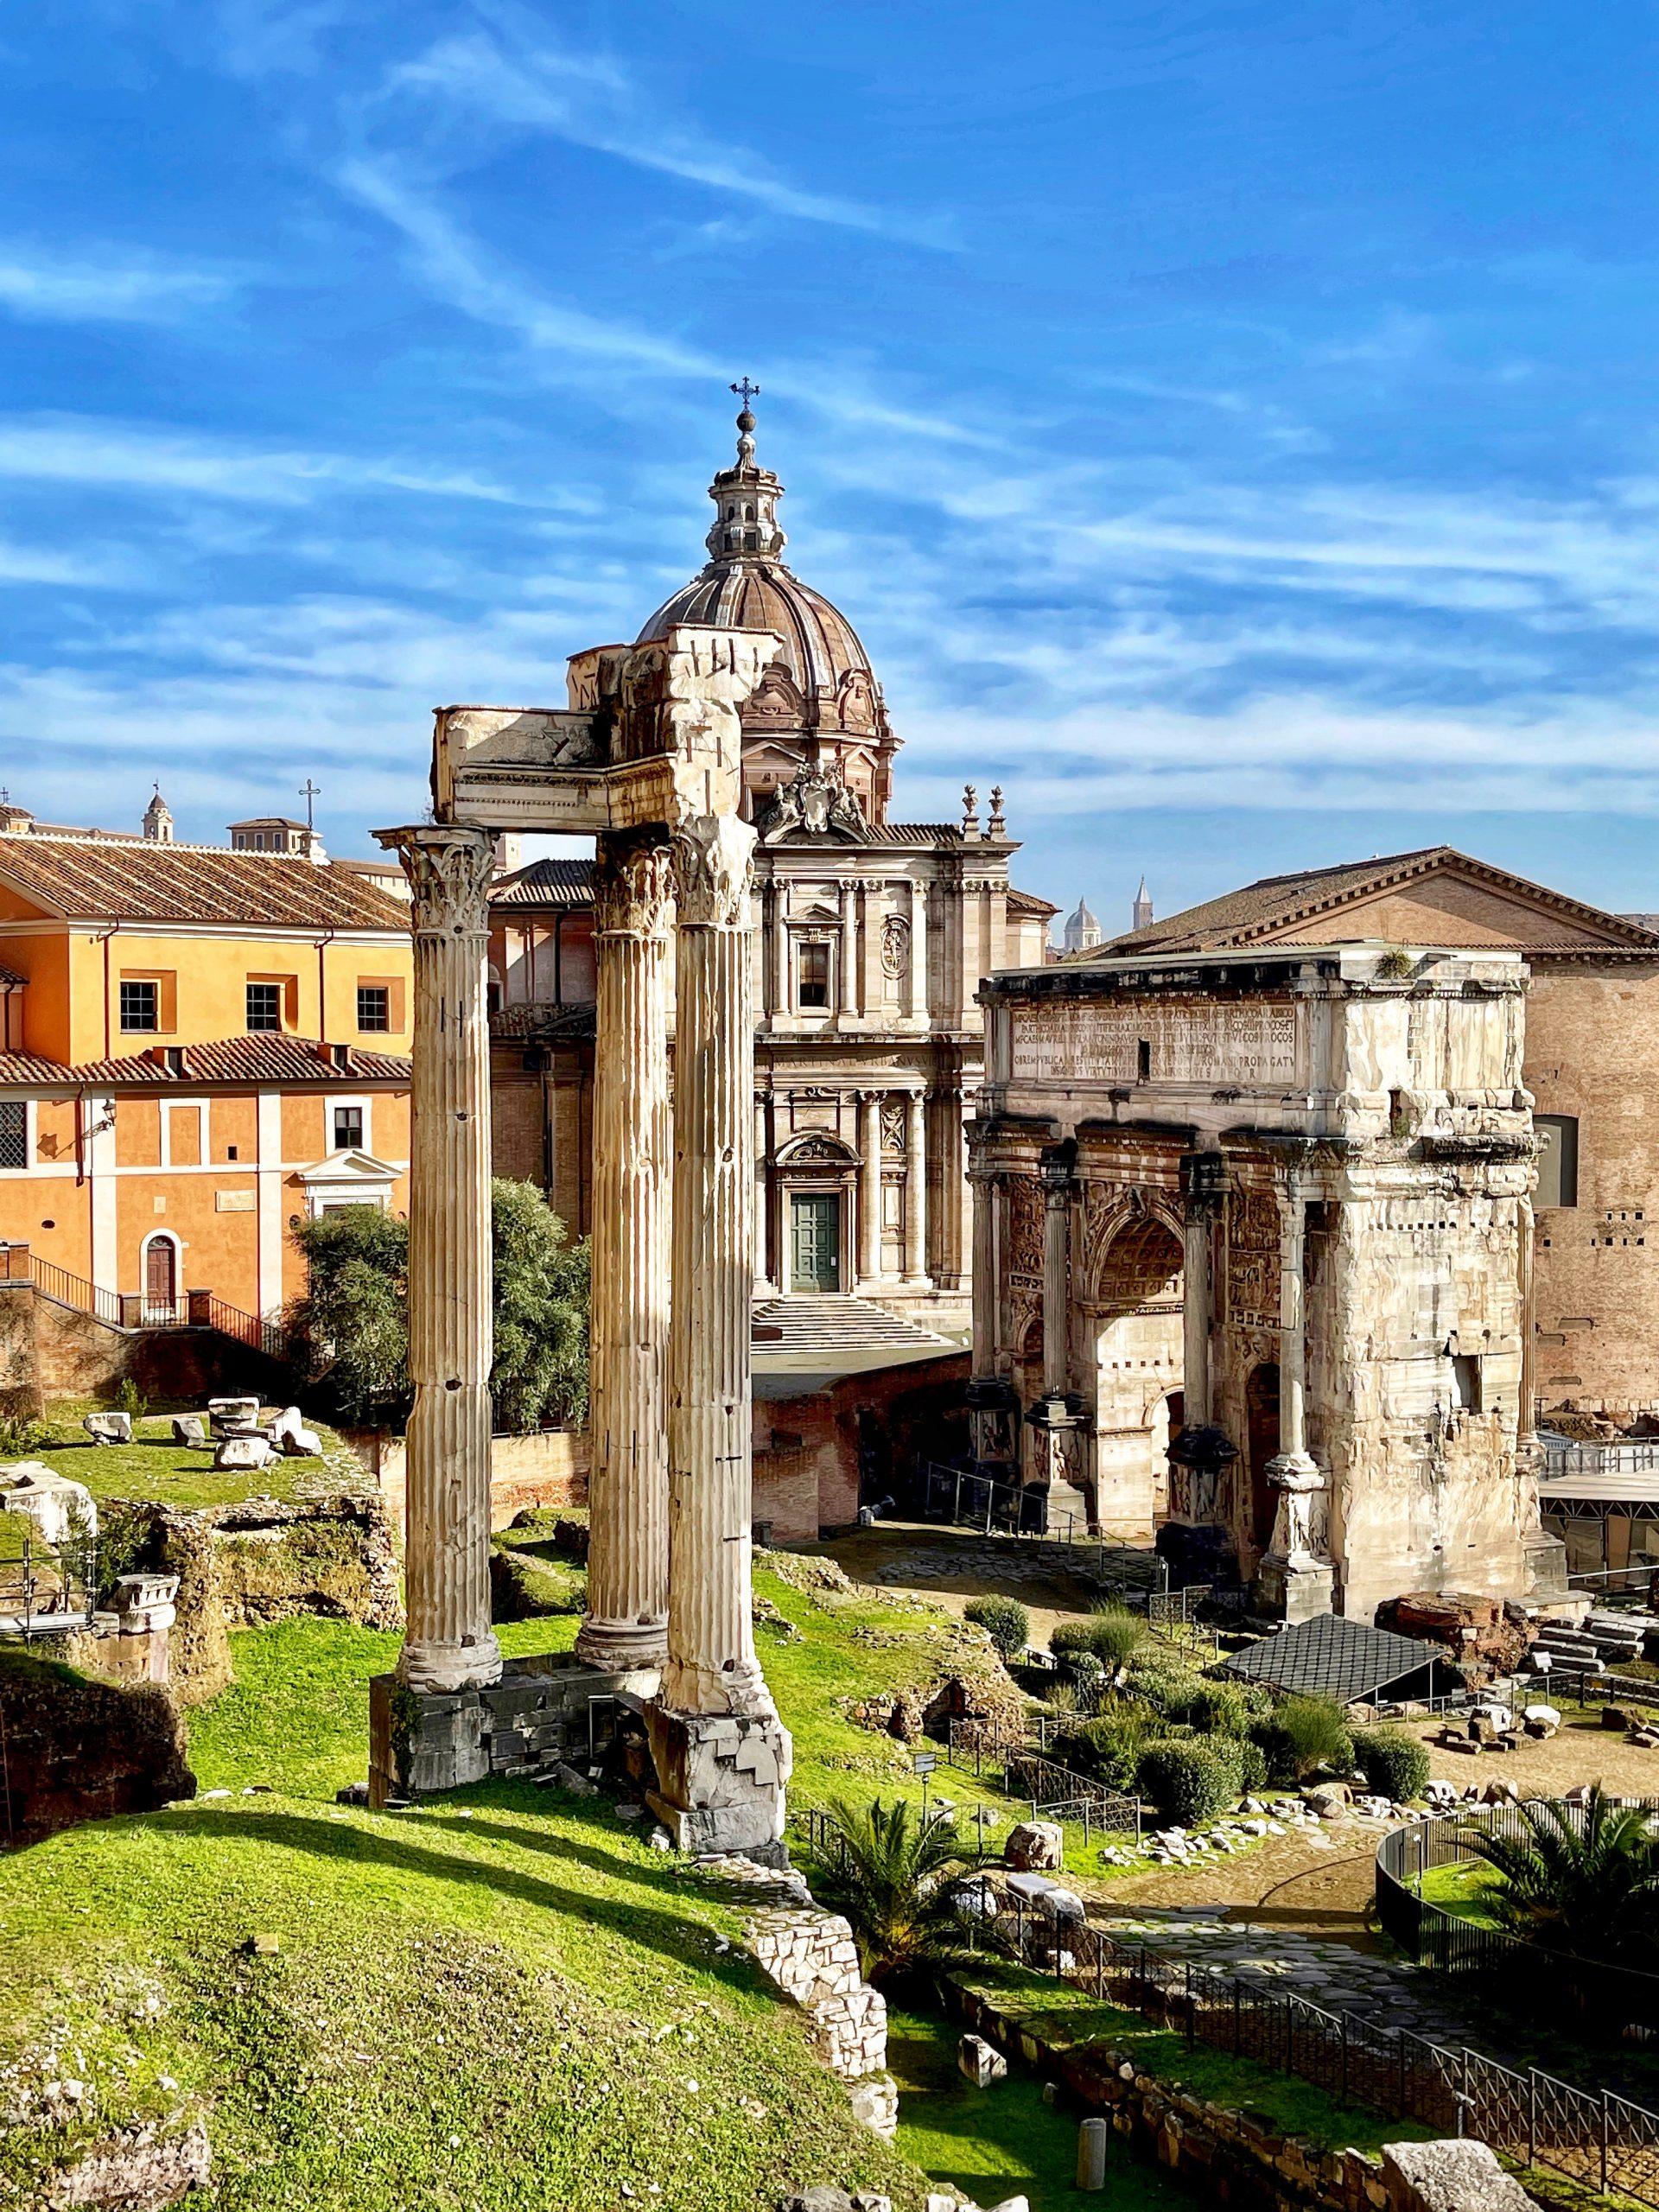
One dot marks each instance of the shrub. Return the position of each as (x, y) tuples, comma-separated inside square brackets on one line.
[(893, 1874), (21, 1437), (1110, 1637), (1252, 1768), (130, 1400), (1088, 1681), (1115, 1634), (1187, 1782), (1108, 1748), (1004, 1620), (1393, 1763), (1163, 1683), (1216, 1708), (1302, 1733)]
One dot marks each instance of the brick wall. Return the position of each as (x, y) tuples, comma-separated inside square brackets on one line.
[(1593, 1043), (549, 1468)]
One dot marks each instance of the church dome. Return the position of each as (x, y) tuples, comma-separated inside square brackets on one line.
[(823, 683)]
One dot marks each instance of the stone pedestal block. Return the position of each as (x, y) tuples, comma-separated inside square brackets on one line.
[(539, 1714), (1293, 1591), (720, 1779)]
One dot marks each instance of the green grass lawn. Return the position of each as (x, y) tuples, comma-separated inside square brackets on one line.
[(1464, 1888), (153, 1466), (1062, 2014), (1002, 2141)]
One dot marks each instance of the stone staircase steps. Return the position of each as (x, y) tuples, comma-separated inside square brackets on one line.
[(829, 1323)]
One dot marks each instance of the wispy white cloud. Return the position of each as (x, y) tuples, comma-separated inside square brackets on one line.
[(515, 74), (85, 450), (43, 286)]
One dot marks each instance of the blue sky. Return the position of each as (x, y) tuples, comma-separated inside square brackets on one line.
[(1232, 424)]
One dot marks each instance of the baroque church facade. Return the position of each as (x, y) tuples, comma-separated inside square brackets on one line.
[(871, 937)]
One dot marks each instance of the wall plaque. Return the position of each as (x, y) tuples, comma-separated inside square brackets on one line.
[(1158, 1041)]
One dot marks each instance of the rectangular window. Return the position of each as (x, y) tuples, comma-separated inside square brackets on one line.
[(348, 1128), (1558, 1159), (264, 1006), (14, 1132), (813, 975), (141, 1004), (373, 1006)]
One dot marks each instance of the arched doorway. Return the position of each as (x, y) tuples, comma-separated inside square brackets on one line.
[(1262, 1416), (1138, 1373), (160, 1277), (811, 1186)]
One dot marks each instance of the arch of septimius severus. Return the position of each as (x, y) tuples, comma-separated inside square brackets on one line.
[(646, 757)]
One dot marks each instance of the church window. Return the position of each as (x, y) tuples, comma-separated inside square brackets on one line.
[(751, 541), (140, 1004), (813, 975), (14, 1132), (264, 1006), (1558, 1159), (348, 1128), (374, 1005)]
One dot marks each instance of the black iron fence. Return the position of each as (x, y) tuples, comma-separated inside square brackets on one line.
[(1592, 2136), (1607, 1999), (968, 1500)]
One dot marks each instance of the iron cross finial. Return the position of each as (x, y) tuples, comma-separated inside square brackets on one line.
[(745, 391), (308, 792)]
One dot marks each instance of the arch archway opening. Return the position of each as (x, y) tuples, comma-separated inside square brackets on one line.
[(1138, 1378)]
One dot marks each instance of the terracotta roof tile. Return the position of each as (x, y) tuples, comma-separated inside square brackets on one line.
[(1027, 902), (262, 1060), (97, 878), (547, 883)]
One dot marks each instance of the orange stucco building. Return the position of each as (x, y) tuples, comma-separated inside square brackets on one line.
[(198, 1048)]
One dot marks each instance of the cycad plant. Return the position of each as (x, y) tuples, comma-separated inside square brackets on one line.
[(892, 1872), (1580, 1878)]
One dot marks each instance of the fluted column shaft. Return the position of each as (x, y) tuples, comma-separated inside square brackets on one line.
[(1195, 1314), (1057, 1283), (984, 1266), (449, 1643), (1526, 1423), (869, 1186), (626, 1625), (1292, 1330), (916, 1188), (712, 1667)]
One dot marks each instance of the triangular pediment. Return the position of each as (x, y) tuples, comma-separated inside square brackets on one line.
[(1435, 898), (1457, 901), (349, 1164)]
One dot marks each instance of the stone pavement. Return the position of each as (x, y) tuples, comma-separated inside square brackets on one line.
[(1387, 1992)]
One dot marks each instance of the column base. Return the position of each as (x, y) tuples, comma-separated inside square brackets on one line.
[(632, 1648), (720, 1780), (472, 1664)]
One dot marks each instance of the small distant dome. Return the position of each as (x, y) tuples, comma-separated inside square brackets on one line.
[(1083, 933)]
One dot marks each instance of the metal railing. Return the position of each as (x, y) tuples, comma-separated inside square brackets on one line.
[(1633, 1455), (123, 1309), (968, 1500), (1591, 2136), (48, 1589), (1052, 1791), (1611, 1997), (58, 1284)]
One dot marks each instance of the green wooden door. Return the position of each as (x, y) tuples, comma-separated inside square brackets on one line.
[(815, 1240)]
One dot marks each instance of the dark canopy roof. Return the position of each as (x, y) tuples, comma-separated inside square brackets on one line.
[(1330, 1657)]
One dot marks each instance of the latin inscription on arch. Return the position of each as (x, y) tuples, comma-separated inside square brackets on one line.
[(1249, 1046)]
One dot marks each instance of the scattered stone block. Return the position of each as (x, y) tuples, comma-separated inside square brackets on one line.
[(240, 1454), (1456, 2175), (265, 1945), (1061, 1904), (1093, 2135), (109, 1428), (189, 1428), (1035, 1844), (292, 1438), (60, 1508), (980, 2062)]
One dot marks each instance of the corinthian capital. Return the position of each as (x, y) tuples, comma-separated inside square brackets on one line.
[(633, 887), (711, 870), (449, 867)]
